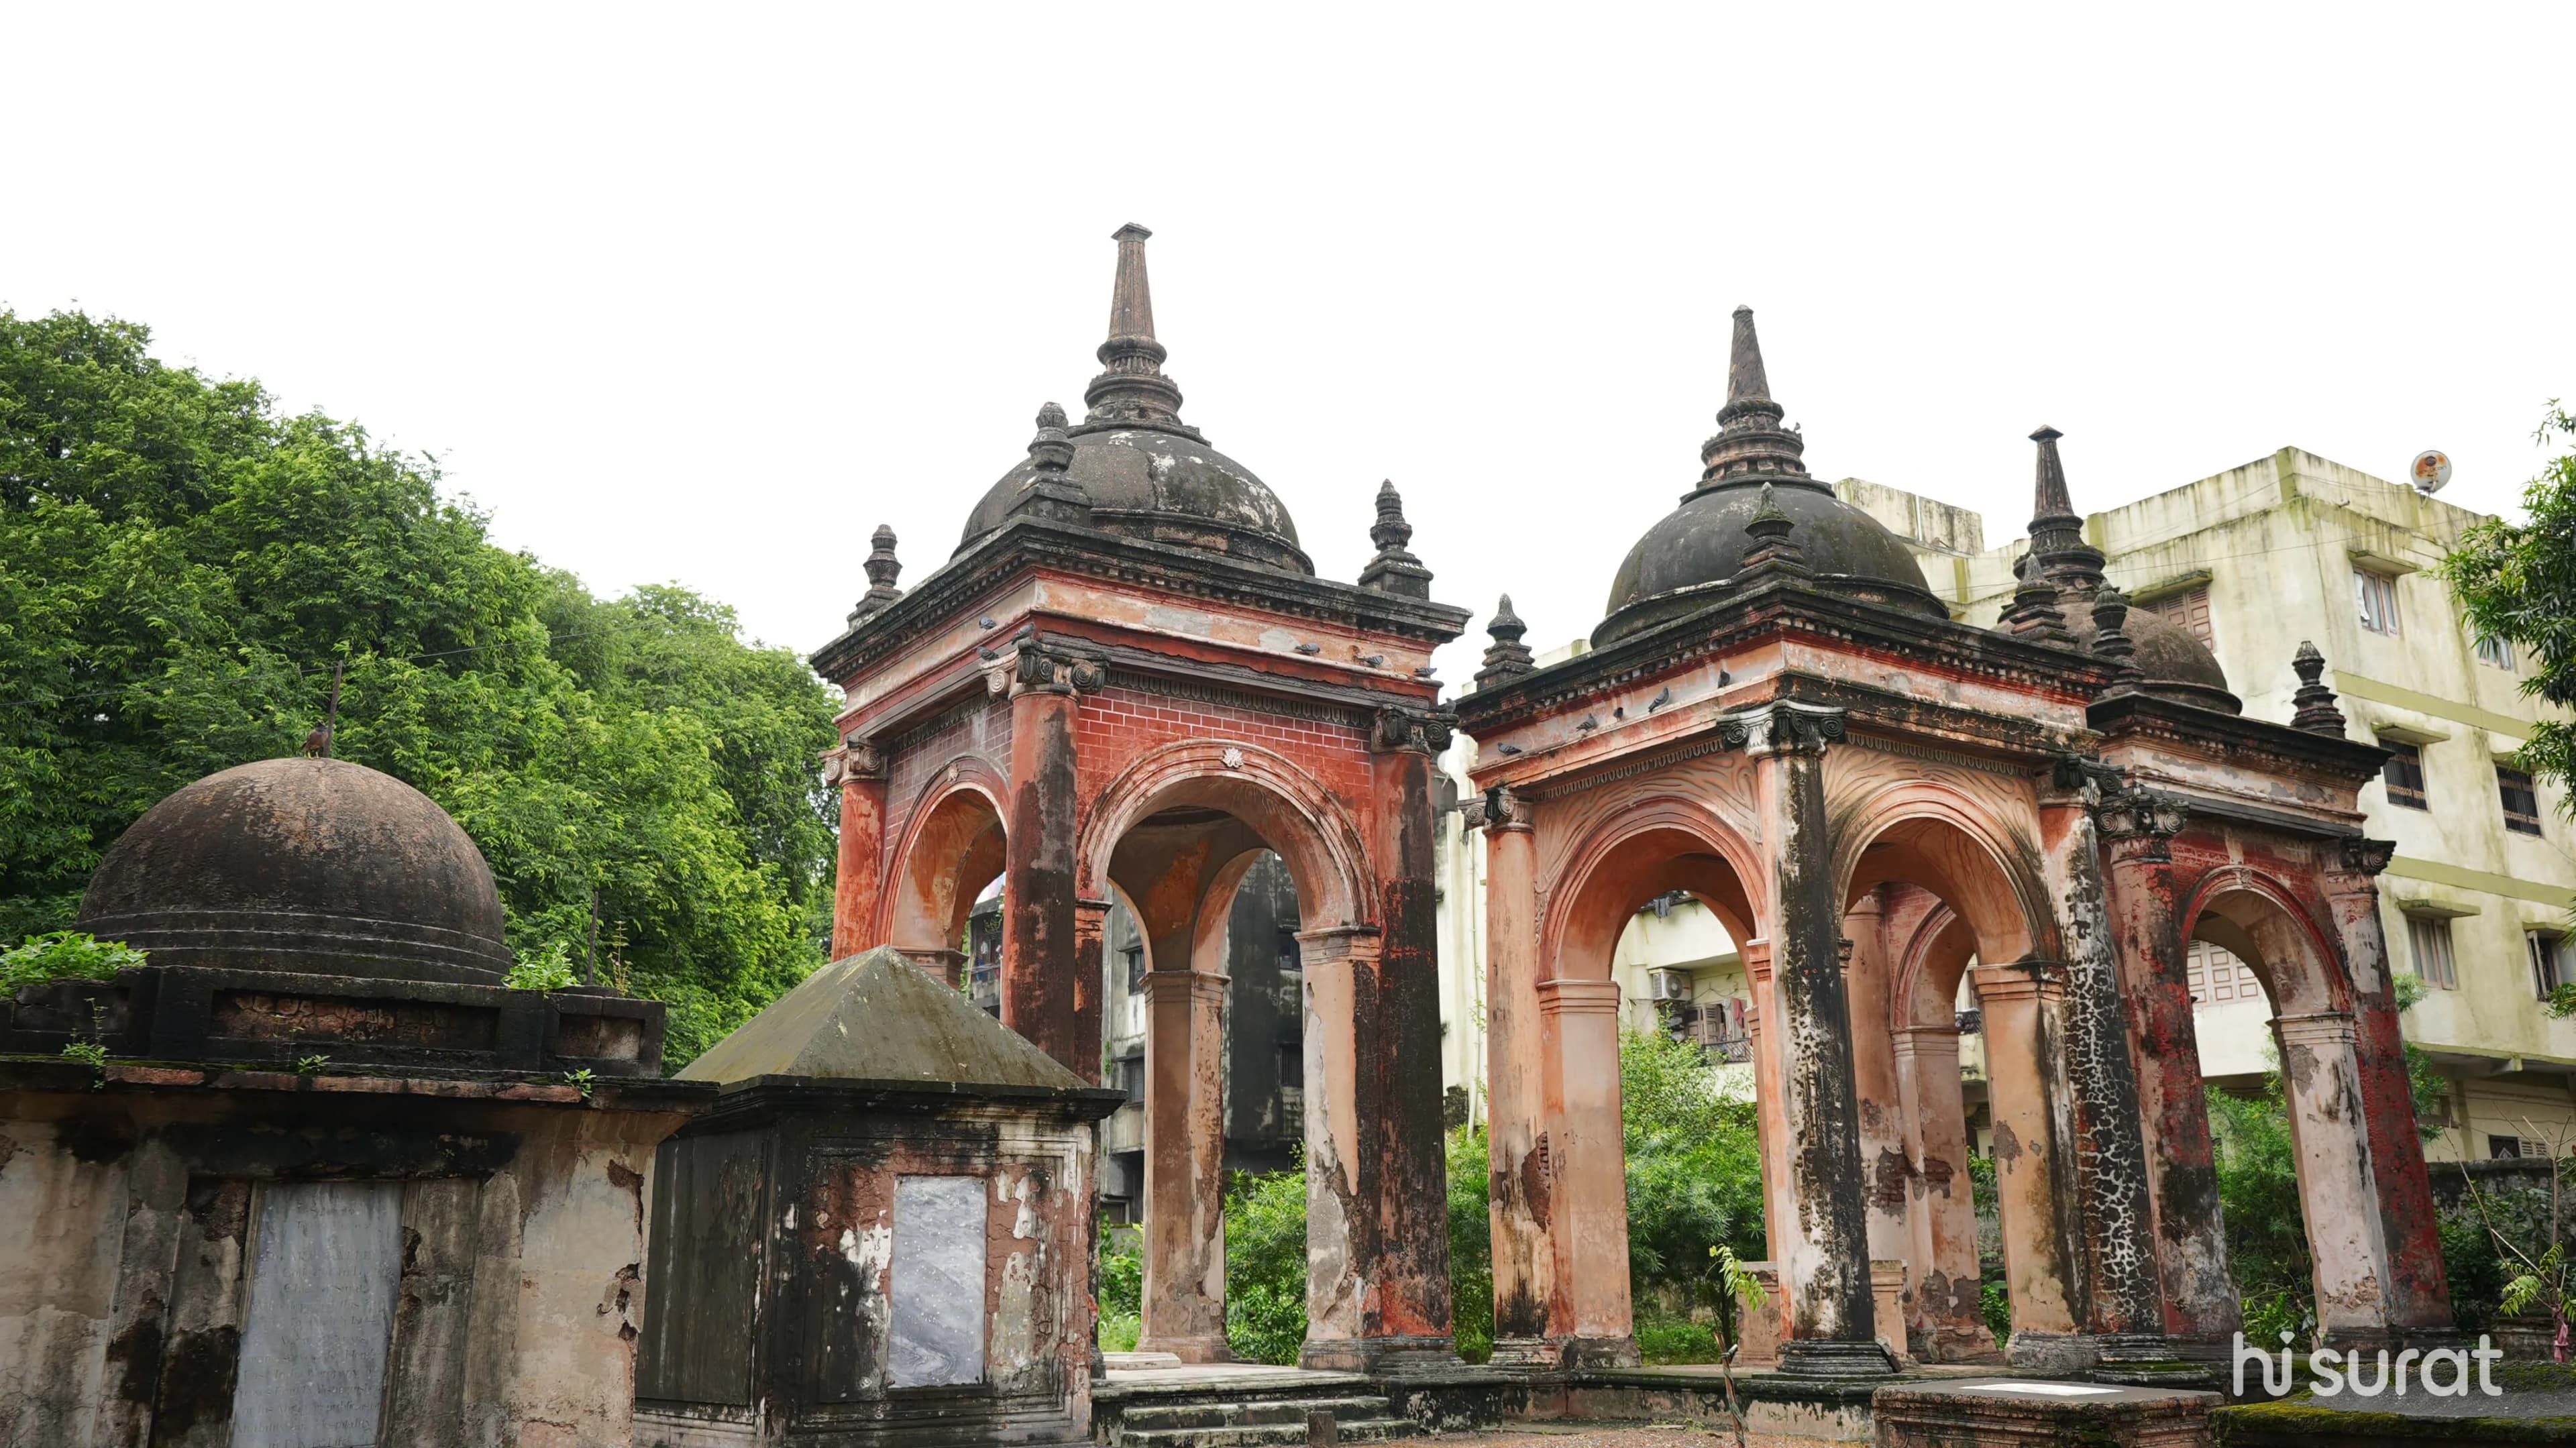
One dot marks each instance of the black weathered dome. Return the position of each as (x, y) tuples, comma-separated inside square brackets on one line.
[(1150, 483), (1695, 550), (1702, 543), (1144, 472), (303, 866), (2177, 665)]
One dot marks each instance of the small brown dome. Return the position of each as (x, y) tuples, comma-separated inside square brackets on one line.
[(307, 867), (2177, 665)]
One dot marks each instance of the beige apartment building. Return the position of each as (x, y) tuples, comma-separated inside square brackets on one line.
[(2287, 548)]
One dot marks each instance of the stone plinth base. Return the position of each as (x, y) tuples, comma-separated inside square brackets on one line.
[(2005, 1413), (1374, 1354), (1811, 1357), (1557, 1354)]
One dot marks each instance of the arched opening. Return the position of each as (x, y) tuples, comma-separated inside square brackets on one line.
[(1563, 1290), (2246, 932), (1225, 878), (1946, 1041), (953, 856)]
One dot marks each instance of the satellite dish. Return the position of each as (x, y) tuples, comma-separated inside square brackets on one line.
[(2430, 471)]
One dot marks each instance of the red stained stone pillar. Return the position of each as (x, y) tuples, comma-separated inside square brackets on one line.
[(1770, 1134), (2338, 1193), (1823, 1242), (2023, 1007), (1184, 1296), (2200, 1303), (858, 875), (1341, 1225), (1522, 1187), (1886, 1166), (2419, 1296), (1044, 994), (1587, 1165), (1399, 1173), (1948, 1321)]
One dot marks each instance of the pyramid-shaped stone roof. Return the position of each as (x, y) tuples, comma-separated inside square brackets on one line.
[(879, 1017)]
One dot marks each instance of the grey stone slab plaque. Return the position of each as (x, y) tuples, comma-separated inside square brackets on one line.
[(324, 1272), (938, 1281)]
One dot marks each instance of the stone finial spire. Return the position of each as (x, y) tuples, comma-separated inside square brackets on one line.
[(1394, 570), (2111, 643), (1506, 658), (2314, 703), (1051, 491), (1750, 441), (2035, 612), (1131, 389), (2056, 529), (1772, 550), (882, 570)]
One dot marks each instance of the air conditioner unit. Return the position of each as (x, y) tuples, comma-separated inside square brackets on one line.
[(1669, 985)]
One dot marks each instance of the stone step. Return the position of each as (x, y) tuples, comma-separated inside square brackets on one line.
[(1259, 1410), (1262, 1434)]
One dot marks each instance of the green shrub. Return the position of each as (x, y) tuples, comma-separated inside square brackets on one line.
[(1694, 1167), (65, 955), (2258, 1193), (1669, 1343), (547, 969), (1265, 1265), (1994, 1304), (1471, 1244)]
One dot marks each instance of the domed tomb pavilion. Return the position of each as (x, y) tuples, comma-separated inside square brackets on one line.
[(1889, 811)]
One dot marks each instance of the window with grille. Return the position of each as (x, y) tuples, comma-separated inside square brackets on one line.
[(2521, 805), (2217, 977), (2502, 1148), (2431, 937), (2377, 593), (2403, 774), (2495, 651), (2189, 608), (1135, 955)]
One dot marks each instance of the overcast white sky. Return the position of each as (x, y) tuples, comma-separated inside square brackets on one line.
[(706, 294)]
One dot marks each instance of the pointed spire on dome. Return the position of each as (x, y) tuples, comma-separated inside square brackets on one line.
[(1394, 570), (2035, 611), (1131, 390), (1507, 658), (1750, 441), (2111, 642), (2056, 529), (882, 570)]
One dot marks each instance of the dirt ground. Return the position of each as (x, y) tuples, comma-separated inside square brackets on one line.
[(1613, 1435)]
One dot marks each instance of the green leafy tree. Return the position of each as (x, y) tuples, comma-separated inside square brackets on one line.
[(1471, 1243), (2517, 582), (181, 566), (1694, 1165)]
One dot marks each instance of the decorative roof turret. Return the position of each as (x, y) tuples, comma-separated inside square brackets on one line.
[(2314, 703), (1772, 551), (2035, 612), (1506, 658), (882, 571), (1131, 390), (1750, 440), (2056, 529), (1394, 570), (1051, 491), (2111, 643)]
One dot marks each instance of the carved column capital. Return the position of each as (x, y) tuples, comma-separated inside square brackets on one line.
[(1782, 726), (857, 759), (1047, 666), (2363, 856), (1498, 810), (1425, 730), (2139, 825)]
